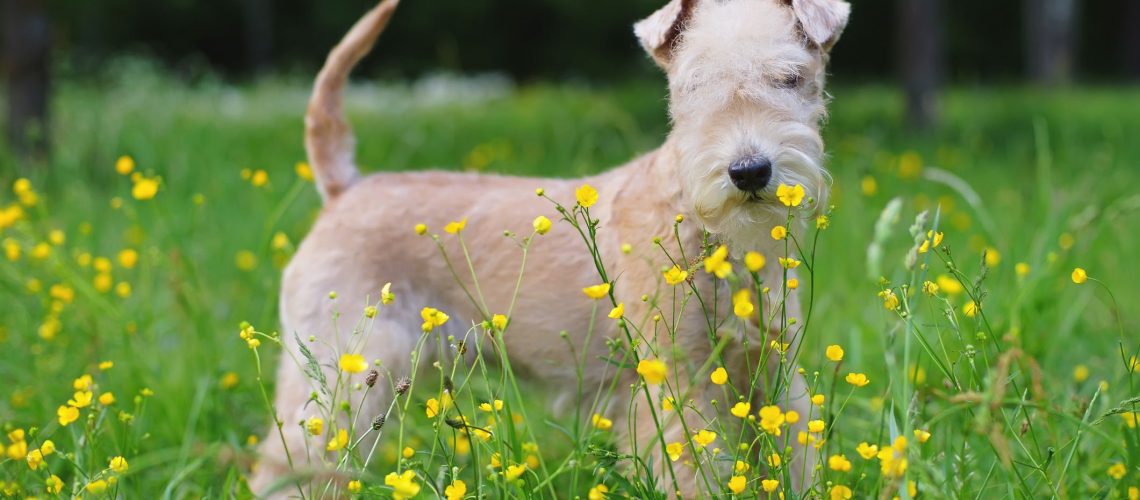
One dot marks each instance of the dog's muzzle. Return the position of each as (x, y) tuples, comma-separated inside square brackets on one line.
[(750, 173)]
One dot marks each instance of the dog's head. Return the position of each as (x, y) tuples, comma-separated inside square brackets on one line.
[(746, 84)]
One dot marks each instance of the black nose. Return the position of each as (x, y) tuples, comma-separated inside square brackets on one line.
[(750, 173)]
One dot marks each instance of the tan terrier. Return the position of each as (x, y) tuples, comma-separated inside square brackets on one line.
[(746, 98)]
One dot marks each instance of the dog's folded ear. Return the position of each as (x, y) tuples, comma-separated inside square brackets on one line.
[(659, 32), (822, 20)]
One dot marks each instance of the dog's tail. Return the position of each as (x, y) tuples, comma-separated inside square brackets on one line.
[(328, 136)]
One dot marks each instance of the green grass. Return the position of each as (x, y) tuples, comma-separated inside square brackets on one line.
[(1025, 166)]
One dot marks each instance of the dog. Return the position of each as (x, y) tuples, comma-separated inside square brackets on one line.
[(746, 99)]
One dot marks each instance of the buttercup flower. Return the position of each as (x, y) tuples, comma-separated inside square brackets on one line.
[(741, 409), (119, 464), (737, 484), (674, 451), (816, 426), (892, 459), (742, 303), (338, 442), (315, 426), (675, 275), (788, 262), (971, 309), (598, 492), (834, 353), (840, 492), (542, 225), (1117, 471), (867, 451), (1080, 276), (433, 318), (719, 376), (456, 490), (754, 261), (67, 415), (597, 291), (839, 463), (420, 229), (717, 264), (353, 363), (790, 196), (771, 418), (617, 312), (857, 379), (890, 300), (354, 486), (704, 437), (921, 435), (774, 460), (586, 195), (124, 165), (769, 485), (514, 472), (499, 322), (455, 227), (930, 288), (653, 371), (403, 485), (779, 233), (602, 423)]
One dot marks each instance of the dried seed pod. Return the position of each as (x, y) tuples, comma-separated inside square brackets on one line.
[(370, 380), (378, 423), (403, 385)]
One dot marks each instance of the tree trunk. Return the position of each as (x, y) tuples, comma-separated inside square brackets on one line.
[(1131, 29), (1050, 30), (921, 60), (26, 44), (259, 34)]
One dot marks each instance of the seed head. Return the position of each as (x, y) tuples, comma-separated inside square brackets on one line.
[(377, 423), (370, 380), (403, 385)]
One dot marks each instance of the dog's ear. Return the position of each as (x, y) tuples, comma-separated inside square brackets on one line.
[(822, 20), (659, 32)]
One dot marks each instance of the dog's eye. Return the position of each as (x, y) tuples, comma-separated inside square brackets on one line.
[(790, 81)]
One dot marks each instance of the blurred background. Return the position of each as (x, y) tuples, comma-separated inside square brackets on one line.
[(918, 44)]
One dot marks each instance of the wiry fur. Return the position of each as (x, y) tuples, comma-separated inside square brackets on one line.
[(728, 62)]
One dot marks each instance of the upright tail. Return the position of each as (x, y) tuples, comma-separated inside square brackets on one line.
[(328, 136)]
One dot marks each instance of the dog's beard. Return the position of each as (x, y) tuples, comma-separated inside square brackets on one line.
[(744, 220)]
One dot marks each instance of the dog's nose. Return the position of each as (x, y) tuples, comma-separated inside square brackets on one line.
[(750, 173)]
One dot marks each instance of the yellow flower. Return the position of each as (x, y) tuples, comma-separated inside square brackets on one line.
[(779, 233), (774, 460), (717, 264), (280, 241), (771, 418), (741, 467), (839, 463), (455, 227), (793, 283), (921, 435), (96, 487), (339, 442), (123, 289), (370, 311), (596, 493), (259, 178), (816, 426), (597, 291), (742, 303), (514, 472), (41, 251), (674, 451), (53, 484), (245, 260), (107, 399), (119, 464), (822, 222), (35, 459), (315, 426), (1080, 373), (421, 229), (769, 485), (668, 404), (1117, 471), (253, 343), (586, 195), (144, 188), (867, 451), (1080, 276), (719, 376), (67, 415), (1133, 493), (1022, 269), (788, 263), (82, 399), (386, 295), (433, 318), (617, 312), (354, 486), (432, 408), (704, 437), (754, 261), (408, 452), (791, 417), (403, 485), (834, 353), (11, 248), (124, 165), (304, 171), (456, 490), (790, 196), (499, 322), (892, 459), (818, 399), (930, 288), (653, 371), (47, 448), (971, 309), (890, 300), (487, 407), (675, 275), (857, 379), (741, 409), (542, 225), (949, 284), (602, 423), (737, 484), (353, 363), (993, 257), (840, 492)]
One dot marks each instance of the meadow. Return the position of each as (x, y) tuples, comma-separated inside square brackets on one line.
[(138, 279)]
